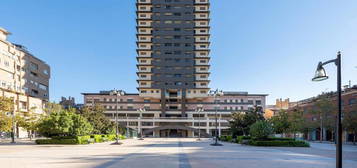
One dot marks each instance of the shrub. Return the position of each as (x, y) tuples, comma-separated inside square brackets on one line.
[(284, 143), (261, 130), (241, 138), (84, 140), (97, 138), (111, 137), (280, 139), (56, 141), (122, 137), (229, 138)]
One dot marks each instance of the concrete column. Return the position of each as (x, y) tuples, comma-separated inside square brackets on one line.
[(219, 125), (324, 134)]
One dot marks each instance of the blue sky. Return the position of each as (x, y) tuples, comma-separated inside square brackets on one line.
[(258, 46)]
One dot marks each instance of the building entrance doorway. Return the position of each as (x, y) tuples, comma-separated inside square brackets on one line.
[(173, 133)]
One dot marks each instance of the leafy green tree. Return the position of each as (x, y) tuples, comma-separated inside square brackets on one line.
[(237, 124), (64, 123), (326, 112), (241, 121), (280, 122), (261, 130), (6, 108), (80, 126), (350, 122), (296, 122), (101, 123), (29, 122)]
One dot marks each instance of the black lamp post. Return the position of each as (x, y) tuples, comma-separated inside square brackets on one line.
[(216, 93), (117, 93), (141, 110), (320, 75)]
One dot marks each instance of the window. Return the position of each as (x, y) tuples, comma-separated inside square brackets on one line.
[(33, 66), (45, 71), (352, 101), (258, 102), (42, 86), (129, 100)]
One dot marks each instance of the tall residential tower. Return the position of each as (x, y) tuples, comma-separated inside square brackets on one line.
[(173, 69), (173, 51)]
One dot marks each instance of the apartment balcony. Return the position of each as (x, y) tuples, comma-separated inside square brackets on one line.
[(144, 47), (144, 8), (201, 24), (148, 70), (201, 86), (143, 1), (148, 77), (146, 32), (198, 70), (144, 24), (198, 63), (146, 55), (205, 33), (201, 2), (202, 39), (147, 85)]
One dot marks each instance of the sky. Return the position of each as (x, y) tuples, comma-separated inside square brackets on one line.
[(266, 47)]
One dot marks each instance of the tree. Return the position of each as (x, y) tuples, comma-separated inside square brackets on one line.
[(280, 122), (296, 122), (237, 124), (6, 108), (261, 130), (64, 123), (241, 121), (326, 113), (80, 126), (95, 115), (29, 122), (350, 122)]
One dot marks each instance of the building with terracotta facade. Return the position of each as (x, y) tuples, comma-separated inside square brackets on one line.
[(349, 105)]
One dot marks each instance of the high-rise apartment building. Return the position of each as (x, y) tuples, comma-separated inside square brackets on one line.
[(173, 51), (23, 77), (173, 69)]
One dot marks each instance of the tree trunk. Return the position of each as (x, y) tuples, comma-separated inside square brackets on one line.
[(354, 139)]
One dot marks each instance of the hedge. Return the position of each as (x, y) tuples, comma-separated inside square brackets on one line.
[(56, 141), (78, 139), (283, 143), (241, 138)]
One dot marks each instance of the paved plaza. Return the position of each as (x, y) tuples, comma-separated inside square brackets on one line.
[(170, 153)]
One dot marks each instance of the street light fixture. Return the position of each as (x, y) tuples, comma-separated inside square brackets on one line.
[(216, 93), (199, 109), (141, 110), (320, 75), (117, 93)]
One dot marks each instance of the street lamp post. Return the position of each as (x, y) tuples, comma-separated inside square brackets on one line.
[(141, 110), (13, 127), (199, 109), (117, 93), (320, 75), (216, 93)]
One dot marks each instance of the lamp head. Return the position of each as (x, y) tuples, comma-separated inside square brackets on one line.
[(320, 73)]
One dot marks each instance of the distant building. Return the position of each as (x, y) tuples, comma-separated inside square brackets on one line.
[(280, 104), (67, 103)]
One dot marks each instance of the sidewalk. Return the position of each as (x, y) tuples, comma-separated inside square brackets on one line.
[(20, 141), (331, 146)]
